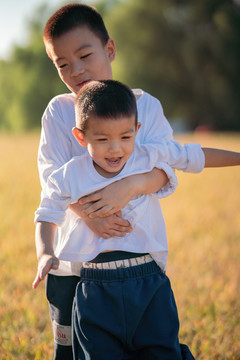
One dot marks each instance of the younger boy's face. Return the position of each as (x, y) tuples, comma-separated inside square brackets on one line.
[(110, 143), (80, 56)]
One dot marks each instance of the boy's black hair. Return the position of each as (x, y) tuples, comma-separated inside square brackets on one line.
[(71, 16), (106, 99)]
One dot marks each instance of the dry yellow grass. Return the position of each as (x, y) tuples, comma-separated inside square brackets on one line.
[(203, 224)]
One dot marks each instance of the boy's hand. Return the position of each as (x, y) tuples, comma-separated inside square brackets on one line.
[(46, 263), (108, 200), (115, 196), (109, 226)]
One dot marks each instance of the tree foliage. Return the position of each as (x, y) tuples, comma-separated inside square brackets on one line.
[(28, 80), (185, 53)]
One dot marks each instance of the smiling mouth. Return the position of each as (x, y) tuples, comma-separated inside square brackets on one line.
[(81, 84), (114, 162)]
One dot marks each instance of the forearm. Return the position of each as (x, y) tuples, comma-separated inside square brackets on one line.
[(45, 233), (220, 158), (44, 238), (115, 196), (146, 183)]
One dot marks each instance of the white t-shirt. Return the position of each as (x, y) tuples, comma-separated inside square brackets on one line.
[(58, 146), (78, 177)]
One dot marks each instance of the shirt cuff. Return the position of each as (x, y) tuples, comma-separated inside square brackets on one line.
[(52, 216), (170, 187), (196, 158)]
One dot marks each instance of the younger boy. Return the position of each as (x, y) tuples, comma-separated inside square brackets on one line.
[(106, 119)]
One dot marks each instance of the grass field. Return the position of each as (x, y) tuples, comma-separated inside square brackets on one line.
[(203, 224)]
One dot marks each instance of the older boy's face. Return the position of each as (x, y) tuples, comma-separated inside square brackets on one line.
[(80, 56), (110, 143)]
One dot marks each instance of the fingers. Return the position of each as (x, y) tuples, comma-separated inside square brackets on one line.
[(90, 198), (101, 212), (39, 277), (118, 213), (113, 233), (114, 230), (118, 220), (97, 209), (55, 264), (43, 271), (117, 229), (36, 281), (93, 209)]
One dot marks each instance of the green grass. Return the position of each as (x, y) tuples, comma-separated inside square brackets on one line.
[(203, 224)]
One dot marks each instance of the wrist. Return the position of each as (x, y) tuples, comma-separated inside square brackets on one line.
[(43, 254), (150, 182), (133, 184)]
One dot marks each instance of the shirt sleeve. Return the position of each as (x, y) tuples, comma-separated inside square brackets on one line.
[(187, 157), (170, 155), (170, 187), (55, 143), (55, 199), (155, 129)]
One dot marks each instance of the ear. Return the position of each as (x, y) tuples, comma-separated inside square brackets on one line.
[(111, 49), (138, 127), (79, 136)]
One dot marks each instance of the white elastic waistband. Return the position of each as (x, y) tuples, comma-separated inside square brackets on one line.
[(116, 264)]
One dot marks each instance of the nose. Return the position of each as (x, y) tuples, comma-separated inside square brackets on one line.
[(77, 69), (114, 147)]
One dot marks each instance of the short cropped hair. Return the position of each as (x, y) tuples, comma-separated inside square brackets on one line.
[(71, 16), (106, 99)]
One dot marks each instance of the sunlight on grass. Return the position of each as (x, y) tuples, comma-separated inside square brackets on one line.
[(203, 224)]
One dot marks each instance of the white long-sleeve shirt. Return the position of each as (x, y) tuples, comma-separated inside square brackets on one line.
[(58, 146)]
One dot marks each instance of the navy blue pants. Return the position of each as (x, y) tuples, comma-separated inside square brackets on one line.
[(127, 313), (60, 294)]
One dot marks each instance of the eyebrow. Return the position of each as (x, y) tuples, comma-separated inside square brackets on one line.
[(80, 48), (102, 133)]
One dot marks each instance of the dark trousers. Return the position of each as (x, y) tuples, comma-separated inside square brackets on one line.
[(127, 313), (60, 294)]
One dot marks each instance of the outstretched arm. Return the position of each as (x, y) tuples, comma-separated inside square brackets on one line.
[(220, 158), (44, 237), (117, 195)]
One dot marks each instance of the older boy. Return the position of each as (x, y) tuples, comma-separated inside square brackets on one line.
[(78, 43)]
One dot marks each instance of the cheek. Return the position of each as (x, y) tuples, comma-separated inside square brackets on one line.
[(90, 150), (101, 70), (130, 148), (61, 75), (94, 151)]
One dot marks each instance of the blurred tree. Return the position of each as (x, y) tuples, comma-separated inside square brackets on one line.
[(29, 80), (185, 53)]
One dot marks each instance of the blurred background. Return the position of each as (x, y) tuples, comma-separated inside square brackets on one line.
[(186, 53)]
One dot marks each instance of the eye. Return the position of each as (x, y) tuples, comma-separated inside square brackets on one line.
[(126, 137), (101, 140), (62, 66), (85, 56)]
